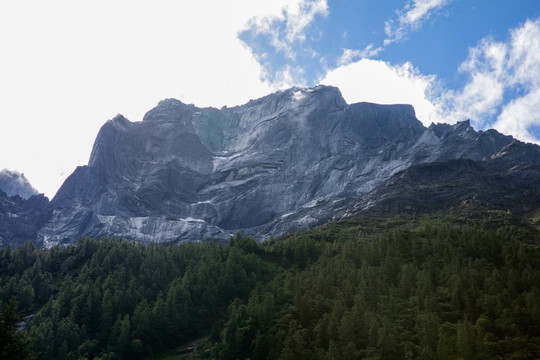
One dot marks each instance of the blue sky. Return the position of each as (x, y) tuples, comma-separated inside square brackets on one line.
[(67, 67)]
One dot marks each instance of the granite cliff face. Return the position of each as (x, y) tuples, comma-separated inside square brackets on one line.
[(293, 159)]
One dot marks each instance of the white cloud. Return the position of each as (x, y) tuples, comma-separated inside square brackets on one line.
[(411, 17), (300, 16), (296, 15), (503, 88), (524, 55), (67, 67), (517, 116), (351, 55), (478, 100), (379, 82)]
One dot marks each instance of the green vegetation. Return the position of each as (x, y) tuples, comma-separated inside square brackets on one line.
[(109, 299), (358, 289)]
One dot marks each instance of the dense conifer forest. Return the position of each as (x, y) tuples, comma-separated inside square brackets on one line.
[(377, 288)]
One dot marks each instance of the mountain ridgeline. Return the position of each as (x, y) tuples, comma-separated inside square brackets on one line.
[(288, 161)]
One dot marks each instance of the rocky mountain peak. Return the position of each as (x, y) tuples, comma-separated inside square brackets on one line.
[(106, 137), (459, 129), (323, 96), (289, 160), (320, 97), (170, 110), (293, 159)]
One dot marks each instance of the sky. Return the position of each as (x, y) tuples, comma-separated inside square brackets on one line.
[(66, 66)]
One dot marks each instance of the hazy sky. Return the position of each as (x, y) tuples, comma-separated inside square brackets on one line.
[(68, 66)]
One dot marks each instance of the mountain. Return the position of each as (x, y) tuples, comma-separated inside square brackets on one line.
[(293, 159), (15, 183), (22, 210), (288, 161)]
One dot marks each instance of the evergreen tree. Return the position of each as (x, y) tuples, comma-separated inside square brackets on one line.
[(14, 344)]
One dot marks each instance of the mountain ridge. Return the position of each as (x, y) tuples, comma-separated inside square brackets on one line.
[(293, 159)]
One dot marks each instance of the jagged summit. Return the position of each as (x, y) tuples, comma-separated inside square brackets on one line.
[(327, 95)]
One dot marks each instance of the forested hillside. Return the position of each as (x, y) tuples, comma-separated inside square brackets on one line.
[(377, 288)]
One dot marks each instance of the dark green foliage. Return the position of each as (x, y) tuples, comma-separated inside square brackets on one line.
[(117, 299), (359, 289), (394, 290), (14, 344)]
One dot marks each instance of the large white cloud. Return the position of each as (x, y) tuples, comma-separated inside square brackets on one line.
[(67, 67), (380, 82)]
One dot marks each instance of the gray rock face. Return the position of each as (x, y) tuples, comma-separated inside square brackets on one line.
[(22, 210), (290, 160)]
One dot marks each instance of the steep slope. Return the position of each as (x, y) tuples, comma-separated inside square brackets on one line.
[(290, 160)]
